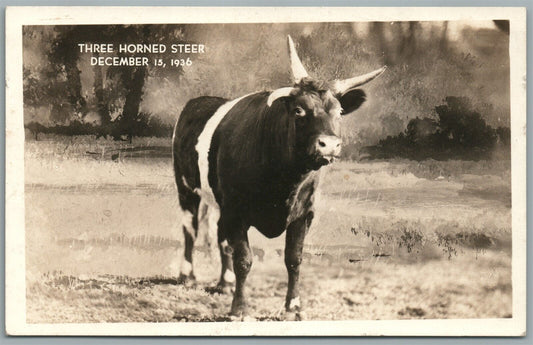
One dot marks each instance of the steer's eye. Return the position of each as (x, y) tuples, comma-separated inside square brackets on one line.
[(299, 111)]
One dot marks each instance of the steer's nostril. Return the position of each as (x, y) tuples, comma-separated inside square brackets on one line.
[(321, 143)]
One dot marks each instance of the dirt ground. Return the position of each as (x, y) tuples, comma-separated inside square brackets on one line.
[(391, 241)]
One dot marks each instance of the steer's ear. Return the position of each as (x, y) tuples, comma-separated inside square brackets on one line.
[(351, 100)]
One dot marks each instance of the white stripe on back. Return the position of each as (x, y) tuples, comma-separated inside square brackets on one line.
[(202, 147)]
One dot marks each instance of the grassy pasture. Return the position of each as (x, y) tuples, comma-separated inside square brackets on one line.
[(392, 240)]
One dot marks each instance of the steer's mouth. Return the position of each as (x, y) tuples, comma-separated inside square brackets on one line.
[(328, 159), (321, 160)]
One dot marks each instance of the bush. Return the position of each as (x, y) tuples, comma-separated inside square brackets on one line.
[(144, 126), (458, 132)]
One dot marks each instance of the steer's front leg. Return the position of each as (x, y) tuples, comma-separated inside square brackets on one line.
[(294, 243)]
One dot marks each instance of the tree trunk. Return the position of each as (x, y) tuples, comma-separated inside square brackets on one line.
[(378, 33), (74, 88), (65, 55), (444, 38), (130, 112), (70, 59), (409, 44), (101, 104)]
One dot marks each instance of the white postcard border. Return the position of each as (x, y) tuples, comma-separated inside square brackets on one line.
[(15, 299)]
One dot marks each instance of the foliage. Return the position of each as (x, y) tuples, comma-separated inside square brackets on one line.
[(143, 125), (425, 65), (458, 132), (115, 94)]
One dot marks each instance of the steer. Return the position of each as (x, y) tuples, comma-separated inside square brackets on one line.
[(255, 161)]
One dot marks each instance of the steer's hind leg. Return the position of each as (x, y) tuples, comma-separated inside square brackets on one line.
[(294, 243), (190, 231), (236, 234), (242, 263), (227, 276)]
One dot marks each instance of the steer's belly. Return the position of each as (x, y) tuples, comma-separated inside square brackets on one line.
[(270, 229), (270, 220)]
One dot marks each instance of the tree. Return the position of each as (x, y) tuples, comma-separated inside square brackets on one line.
[(115, 89), (132, 79), (64, 57), (99, 93)]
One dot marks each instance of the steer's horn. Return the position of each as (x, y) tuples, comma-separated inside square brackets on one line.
[(341, 86), (297, 69), (279, 93)]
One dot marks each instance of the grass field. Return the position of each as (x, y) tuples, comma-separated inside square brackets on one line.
[(392, 240)]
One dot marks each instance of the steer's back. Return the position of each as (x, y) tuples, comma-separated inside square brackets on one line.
[(188, 128)]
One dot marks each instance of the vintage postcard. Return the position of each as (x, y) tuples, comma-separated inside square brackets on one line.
[(265, 171)]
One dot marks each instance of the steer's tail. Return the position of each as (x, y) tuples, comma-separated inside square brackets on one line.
[(207, 225)]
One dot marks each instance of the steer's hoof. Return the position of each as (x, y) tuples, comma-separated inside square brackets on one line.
[(242, 318), (227, 289), (299, 316), (293, 311), (187, 280), (238, 309), (293, 315), (222, 289)]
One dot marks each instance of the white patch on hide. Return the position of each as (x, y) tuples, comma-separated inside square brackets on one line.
[(229, 276), (213, 215), (186, 221), (203, 146), (208, 225), (186, 267), (295, 302), (225, 247), (185, 182), (174, 138)]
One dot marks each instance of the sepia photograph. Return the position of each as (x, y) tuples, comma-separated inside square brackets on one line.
[(208, 174)]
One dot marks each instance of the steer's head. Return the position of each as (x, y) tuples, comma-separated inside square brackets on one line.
[(317, 108)]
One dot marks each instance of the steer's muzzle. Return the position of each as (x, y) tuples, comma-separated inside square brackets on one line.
[(327, 148)]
